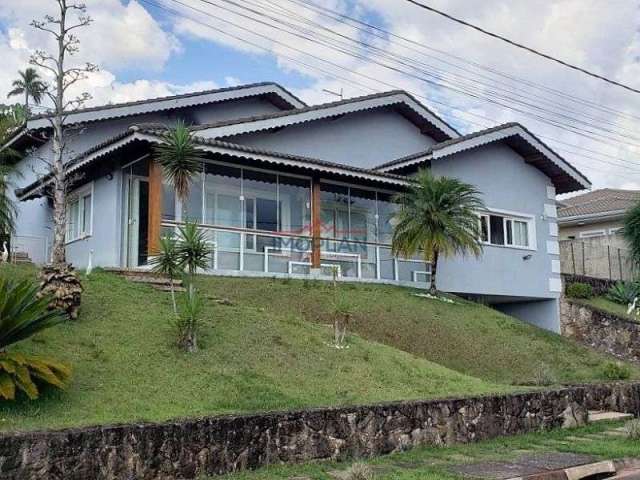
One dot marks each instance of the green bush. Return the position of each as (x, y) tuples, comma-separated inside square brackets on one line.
[(579, 290), (624, 292), (616, 371)]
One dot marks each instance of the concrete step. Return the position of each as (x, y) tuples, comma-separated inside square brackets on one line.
[(603, 416)]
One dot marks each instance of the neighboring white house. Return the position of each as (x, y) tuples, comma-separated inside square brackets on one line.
[(294, 190)]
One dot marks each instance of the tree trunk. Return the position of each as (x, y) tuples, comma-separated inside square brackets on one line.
[(58, 255), (189, 341), (173, 297), (433, 289)]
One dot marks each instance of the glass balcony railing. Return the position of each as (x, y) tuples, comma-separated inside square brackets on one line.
[(258, 252)]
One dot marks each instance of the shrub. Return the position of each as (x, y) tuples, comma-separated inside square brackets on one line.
[(360, 471), (623, 292), (632, 429), (616, 371), (22, 315), (579, 290), (544, 376), (188, 321)]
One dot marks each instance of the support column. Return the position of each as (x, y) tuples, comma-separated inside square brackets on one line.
[(315, 223), (155, 207)]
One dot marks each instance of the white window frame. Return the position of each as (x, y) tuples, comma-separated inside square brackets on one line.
[(615, 231), (79, 195), (530, 220), (593, 233)]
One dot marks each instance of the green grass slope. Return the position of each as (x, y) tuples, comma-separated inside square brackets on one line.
[(466, 337), (259, 354)]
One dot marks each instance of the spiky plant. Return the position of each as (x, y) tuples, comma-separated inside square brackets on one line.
[(179, 158), (193, 248), (438, 217), (168, 262), (22, 315), (188, 322)]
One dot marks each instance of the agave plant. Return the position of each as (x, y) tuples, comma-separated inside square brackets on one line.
[(623, 292), (22, 315)]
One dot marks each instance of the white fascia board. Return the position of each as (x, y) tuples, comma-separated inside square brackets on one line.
[(159, 105), (592, 217), (408, 163), (505, 133), (329, 111)]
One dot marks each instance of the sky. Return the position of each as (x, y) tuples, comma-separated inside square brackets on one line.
[(152, 48)]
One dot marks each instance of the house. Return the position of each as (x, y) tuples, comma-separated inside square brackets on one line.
[(294, 190), (596, 214)]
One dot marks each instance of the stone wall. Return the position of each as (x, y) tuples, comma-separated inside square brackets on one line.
[(189, 448), (600, 330)]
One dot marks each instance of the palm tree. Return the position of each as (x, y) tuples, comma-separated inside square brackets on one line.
[(439, 217), (22, 315), (30, 85), (193, 248), (179, 158), (168, 262)]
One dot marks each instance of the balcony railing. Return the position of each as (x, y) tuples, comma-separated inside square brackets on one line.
[(259, 252)]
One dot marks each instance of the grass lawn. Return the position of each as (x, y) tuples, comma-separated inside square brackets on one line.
[(126, 366), (603, 303), (263, 353), (437, 463), (466, 337)]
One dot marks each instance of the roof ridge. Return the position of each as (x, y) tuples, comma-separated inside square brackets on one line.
[(174, 97), (320, 106)]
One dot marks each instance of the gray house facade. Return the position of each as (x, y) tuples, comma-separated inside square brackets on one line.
[(288, 189)]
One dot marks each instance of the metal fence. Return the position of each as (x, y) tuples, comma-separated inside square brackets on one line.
[(596, 258)]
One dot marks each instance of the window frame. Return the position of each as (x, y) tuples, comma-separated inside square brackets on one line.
[(593, 233), (79, 195), (508, 236)]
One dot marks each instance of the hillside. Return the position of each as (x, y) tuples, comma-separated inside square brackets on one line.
[(269, 350), (467, 337), (127, 368)]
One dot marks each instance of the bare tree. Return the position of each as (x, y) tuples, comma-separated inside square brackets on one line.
[(63, 79), (59, 278)]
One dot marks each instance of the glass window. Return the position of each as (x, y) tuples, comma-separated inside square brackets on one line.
[(520, 233), (192, 208), (496, 229), (363, 224), (260, 192), (386, 212), (168, 202), (484, 228), (334, 215), (79, 215), (295, 205), (222, 196)]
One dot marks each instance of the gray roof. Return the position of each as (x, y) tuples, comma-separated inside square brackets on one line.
[(279, 94), (442, 132), (565, 176), (603, 202), (138, 133)]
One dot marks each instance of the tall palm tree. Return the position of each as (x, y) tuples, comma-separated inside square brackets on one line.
[(439, 217), (179, 158), (30, 85)]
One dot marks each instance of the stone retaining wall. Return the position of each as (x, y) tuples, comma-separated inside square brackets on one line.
[(600, 330), (189, 448), (600, 285)]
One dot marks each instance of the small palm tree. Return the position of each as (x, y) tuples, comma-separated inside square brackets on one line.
[(631, 232), (168, 262), (22, 315), (30, 85), (180, 159), (438, 216)]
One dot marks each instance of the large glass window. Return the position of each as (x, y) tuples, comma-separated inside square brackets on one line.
[(386, 212), (192, 208), (334, 200), (502, 230), (295, 205)]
